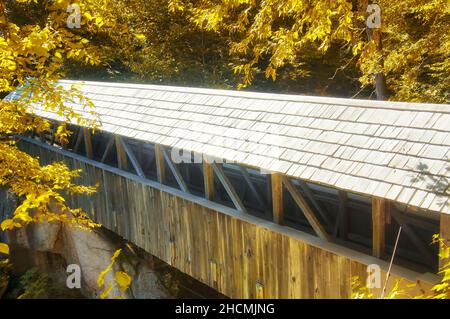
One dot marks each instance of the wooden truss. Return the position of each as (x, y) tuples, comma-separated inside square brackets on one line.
[(383, 211), (211, 171)]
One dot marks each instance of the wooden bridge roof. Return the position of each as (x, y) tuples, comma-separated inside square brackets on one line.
[(398, 151)]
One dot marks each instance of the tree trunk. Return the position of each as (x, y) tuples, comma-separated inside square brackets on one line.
[(380, 79)]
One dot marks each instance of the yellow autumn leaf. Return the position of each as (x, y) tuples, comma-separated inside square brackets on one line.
[(445, 253), (11, 66), (123, 279), (101, 277), (9, 224), (106, 292), (140, 36), (116, 254), (4, 249), (441, 286), (446, 275), (6, 224)]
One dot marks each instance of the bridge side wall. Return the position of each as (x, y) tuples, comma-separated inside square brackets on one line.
[(240, 256)]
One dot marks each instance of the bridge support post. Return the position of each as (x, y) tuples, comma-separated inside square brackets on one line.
[(160, 164), (78, 140), (208, 178), (378, 226), (88, 143), (277, 198)]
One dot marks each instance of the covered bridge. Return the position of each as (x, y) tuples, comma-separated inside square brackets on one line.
[(264, 195)]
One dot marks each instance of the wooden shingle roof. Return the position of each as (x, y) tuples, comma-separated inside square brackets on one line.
[(398, 151)]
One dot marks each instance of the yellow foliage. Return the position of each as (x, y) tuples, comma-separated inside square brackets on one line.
[(140, 36), (439, 291), (360, 291), (415, 34), (121, 278), (107, 290), (32, 55), (4, 249)]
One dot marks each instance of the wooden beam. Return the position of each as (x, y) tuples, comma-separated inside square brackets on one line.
[(253, 188), (389, 207), (175, 171), (73, 138), (317, 205), (277, 198), (229, 187), (88, 143), (132, 158), (378, 226), (34, 135), (42, 138), (306, 209), (269, 189), (121, 154), (79, 140), (53, 132), (445, 237), (160, 164), (208, 179), (108, 149), (342, 220)]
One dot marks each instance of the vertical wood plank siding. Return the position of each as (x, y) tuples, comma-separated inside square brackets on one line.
[(239, 258)]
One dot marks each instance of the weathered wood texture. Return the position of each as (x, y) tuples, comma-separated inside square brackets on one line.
[(88, 142), (121, 154), (239, 258), (208, 180), (378, 227), (277, 198)]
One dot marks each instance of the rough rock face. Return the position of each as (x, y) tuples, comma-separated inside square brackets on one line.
[(39, 237), (92, 251)]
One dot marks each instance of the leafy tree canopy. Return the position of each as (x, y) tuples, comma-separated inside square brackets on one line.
[(279, 33)]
